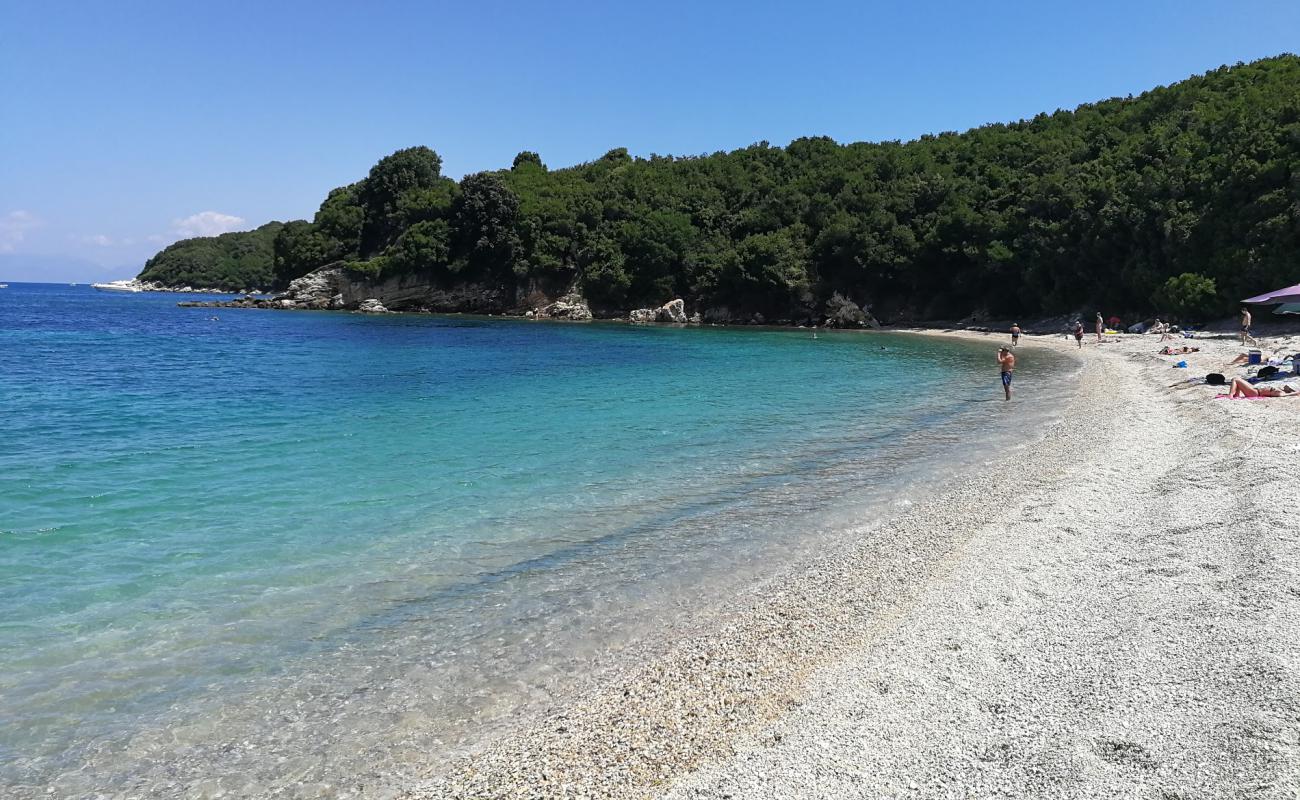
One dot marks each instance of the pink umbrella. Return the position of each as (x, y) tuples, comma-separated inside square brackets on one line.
[(1290, 294)]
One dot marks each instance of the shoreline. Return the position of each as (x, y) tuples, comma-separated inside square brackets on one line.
[(213, 760), (730, 713), (742, 668)]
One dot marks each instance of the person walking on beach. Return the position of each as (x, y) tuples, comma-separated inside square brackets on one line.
[(1100, 327), (1015, 334), (1245, 327), (1007, 362), (1078, 333)]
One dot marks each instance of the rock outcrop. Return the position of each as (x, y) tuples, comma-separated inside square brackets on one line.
[(316, 289), (673, 311), (333, 287), (842, 312), (572, 306)]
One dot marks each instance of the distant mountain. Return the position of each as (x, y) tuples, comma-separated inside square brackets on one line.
[(231, 261)]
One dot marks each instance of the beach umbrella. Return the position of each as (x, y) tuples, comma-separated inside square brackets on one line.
[(1290, 294), (1114, 321)]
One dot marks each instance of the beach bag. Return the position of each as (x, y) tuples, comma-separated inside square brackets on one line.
[(1216, 379), (1267, 372)]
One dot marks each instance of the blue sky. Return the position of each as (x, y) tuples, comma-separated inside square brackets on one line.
[(128, 124)]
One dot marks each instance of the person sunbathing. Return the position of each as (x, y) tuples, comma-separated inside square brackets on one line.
[(1241, 388), (1169, 351)]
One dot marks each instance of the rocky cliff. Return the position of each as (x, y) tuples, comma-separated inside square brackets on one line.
[(334, 288)]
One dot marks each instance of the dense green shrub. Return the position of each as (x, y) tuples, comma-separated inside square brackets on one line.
[(231, 261), (1189, 297)]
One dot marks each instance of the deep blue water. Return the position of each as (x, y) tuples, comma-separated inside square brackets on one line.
[(351, 538)]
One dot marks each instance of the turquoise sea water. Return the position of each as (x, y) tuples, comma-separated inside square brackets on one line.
[(263, 551)]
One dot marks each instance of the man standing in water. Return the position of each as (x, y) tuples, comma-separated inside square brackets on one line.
[(1015, 334), (1008, 364)]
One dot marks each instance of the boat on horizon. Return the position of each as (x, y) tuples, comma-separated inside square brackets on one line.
[(117, 286)]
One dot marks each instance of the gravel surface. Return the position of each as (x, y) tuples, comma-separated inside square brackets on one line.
[(1112, 612)]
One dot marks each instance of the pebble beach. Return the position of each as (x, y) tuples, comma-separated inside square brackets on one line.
[(1111, 611)]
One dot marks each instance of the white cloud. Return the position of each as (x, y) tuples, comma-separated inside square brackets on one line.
[(206, 223), (14, 227)]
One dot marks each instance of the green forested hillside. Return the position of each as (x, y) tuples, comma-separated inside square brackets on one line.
[(1097, 207), (230, 261)]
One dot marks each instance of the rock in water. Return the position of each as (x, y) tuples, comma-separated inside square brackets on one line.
[(572, 306), (371, 306), (316, 289), (672, 311)]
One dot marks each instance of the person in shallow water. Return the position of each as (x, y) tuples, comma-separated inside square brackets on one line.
[(1015, 334), (1008, 364)]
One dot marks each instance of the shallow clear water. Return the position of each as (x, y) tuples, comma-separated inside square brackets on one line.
[(270, 548)]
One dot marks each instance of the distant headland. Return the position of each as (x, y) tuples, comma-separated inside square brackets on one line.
[(1178, 200)]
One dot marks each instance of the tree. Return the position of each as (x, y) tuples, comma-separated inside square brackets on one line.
[(485, 215), (604, 277), (768, 271), (232, 261), (423, 247), (654, 246), (299, 248), (339, 221), (380, 195), (1189, 297), (526, 160)]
